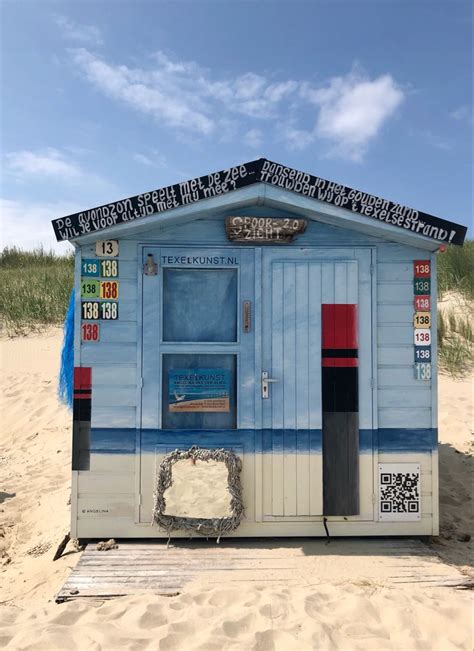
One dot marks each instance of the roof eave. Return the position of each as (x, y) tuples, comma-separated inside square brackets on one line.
[(264, 194)]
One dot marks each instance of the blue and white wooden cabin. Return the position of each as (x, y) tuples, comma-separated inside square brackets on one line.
[(364, 464)]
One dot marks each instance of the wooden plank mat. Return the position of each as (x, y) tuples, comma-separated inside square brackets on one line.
[(153, 567)]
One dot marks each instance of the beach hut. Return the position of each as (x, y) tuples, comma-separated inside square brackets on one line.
[(263, 327)]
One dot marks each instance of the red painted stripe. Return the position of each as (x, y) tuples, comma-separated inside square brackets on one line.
[(339, 325), (82, 377), (82, 396), (339, 361)]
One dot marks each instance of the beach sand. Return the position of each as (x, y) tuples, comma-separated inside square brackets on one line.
[(359, 612)]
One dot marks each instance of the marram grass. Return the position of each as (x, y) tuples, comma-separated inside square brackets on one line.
[(456, 270), (455, 344), (34, 289)]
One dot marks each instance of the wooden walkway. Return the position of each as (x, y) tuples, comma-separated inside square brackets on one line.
[(152, 567)]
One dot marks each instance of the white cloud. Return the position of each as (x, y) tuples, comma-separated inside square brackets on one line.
[(253, 138), (183, 95), (49, 162), (84, 33), (462, 113), (352, 110), (436, 140), (296, 139), (27, 224), (348, 112), (26, 166), (144, 160), (154, 92), (153, 159)]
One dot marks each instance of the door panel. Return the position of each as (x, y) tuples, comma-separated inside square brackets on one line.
[(306, 426), (292, 414), (198, 361)]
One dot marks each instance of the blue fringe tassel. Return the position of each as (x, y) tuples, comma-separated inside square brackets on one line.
[(66, 372)]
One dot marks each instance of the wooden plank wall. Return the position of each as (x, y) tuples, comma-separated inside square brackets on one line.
[(402, 401)]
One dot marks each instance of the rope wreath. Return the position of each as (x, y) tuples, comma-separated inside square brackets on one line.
[(204, 526)]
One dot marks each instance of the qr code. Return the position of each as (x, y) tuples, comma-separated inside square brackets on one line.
[(399, 491)]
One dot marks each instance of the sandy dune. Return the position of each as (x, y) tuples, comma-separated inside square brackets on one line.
[(336, 613)]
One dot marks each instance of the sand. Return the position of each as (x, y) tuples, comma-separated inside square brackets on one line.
[(336, 613)]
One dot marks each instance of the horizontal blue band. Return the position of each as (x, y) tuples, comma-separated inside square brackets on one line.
[(405, 440), (126, 441)]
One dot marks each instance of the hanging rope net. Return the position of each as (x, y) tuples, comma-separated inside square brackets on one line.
[(66, 371), (204, 526)]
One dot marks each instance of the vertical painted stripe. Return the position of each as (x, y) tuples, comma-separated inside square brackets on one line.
[(339, 324), (340, 403), (82, 377), (81, 429)]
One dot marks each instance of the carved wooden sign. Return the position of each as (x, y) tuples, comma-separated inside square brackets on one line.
[(263, 230)]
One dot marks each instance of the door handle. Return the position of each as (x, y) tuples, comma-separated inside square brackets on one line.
[(265, 384)]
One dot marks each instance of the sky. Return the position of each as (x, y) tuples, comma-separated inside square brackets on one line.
[(105, 100)]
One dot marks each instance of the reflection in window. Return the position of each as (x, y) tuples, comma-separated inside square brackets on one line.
[(200, 305)]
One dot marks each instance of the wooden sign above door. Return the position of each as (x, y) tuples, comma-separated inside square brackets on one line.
[(263, 230)]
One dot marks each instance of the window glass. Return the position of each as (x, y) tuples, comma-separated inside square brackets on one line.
[(199, 391), (200, 305)]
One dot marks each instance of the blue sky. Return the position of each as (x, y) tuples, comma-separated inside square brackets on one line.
[(103, 100)]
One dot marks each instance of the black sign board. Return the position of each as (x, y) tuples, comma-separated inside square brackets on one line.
[(263, 230), (258, 171), (156, 201)]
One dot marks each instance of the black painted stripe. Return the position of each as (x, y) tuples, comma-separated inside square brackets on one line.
[(340, 352), (340, 390)]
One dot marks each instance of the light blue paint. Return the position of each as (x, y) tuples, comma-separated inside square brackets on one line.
[(419, 397), (120, 396), (117, 353), (396, 417), (399, 378), (402, 401), (395, 313), (200, 230), (389, 335), (393, 355), (127, 248), (117, 332), (400, 272), (114, 375), (395, 292), (114, 416), (272, 197)]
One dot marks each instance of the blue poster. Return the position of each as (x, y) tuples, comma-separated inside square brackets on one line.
[(199, 389)]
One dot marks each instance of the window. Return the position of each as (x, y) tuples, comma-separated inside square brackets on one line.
[(200, 305)]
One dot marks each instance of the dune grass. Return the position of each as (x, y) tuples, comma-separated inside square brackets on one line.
[(34, 289), (455, 344), (455, 332), (456, 270)]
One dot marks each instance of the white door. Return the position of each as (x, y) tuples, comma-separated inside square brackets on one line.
[(300, 415)]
